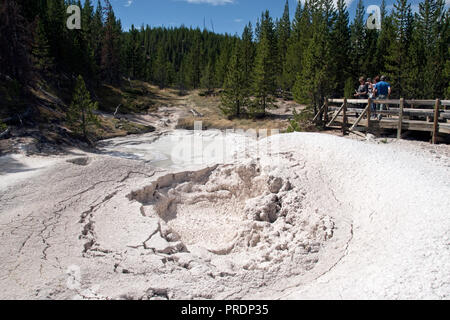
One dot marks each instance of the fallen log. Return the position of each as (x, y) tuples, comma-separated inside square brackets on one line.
[(196, 113), (4, 134), (117, 110), (52, 98), (18, 117)]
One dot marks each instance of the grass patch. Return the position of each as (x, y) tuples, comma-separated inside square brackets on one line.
[(111, 128), (213, 118), (302, 121), (3, 127), (12, 98), (136, 98)]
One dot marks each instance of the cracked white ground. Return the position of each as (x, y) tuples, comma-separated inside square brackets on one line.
[(325, 217)]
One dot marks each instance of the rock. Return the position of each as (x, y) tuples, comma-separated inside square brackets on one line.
[(275, 184), (161, 245), (137, 233), (82, 161), (270, 209), (169, 234), (265, 209), (287, 186), (184, 260)]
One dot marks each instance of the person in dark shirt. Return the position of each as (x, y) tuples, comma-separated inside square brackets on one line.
[(363, 90), (371, 87)]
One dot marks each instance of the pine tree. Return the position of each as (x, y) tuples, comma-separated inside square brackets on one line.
[(42, 59), (298, 43), (340, 39), (87, 17), (248, 56), (265, 67), (134, 54), (443, 27), (181, 80), (161, 71), (97, 31), (76, 52), (15, 42), (80, 114), (385, 37), (446, 77), (235, 97), (292, 61), (358, 50), (89, 30), (370, 46), (193, 71), (414, 82), (110, 58), (316, 78), (56, 31), (283, 35), (397, 60), (208, 78), (426, 57), (222, 63)]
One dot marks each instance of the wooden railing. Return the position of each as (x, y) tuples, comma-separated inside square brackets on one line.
[(403, 117)]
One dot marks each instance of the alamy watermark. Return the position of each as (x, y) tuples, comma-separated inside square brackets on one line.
[(74, 20), (216, 146), (374, 20)]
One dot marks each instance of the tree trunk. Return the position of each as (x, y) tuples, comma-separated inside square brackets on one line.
[(83, 124)]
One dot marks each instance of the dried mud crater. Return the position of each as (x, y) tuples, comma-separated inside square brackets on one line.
[(240, 221)]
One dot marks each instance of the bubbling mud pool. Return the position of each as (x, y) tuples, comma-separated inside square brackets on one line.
[(241, 226), (236, 219)]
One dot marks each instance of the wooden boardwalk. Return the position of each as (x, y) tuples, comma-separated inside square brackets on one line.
[(402, 115)]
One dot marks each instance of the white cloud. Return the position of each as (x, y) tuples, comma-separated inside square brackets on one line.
[(129, 3), (238, 20), (211, 2)]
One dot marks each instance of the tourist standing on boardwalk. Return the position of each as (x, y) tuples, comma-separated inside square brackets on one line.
[(383, 91), (363, 90)]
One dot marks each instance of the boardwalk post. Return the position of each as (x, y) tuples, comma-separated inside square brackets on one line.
[(337, 113), (436, 122), (360, 117), (325, 115), (318, 115), (400, 118), (369, 114), (344, 119)]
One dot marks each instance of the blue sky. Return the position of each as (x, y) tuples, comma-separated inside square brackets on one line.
[(227, 16)]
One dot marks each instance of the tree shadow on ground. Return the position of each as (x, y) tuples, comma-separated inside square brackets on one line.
[(10, 165)]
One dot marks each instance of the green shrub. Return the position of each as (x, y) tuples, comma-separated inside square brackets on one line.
[(302, 121), (293, 127), (81, 112)]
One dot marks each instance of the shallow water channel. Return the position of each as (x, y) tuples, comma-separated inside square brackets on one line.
[(181, 149)]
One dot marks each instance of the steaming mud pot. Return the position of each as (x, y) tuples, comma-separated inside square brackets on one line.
[(321, 217), (240, 227)]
